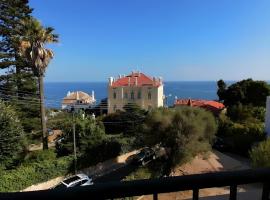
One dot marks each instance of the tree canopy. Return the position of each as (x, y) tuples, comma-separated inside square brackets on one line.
[(184, 131), (246, 92), (11, 136)]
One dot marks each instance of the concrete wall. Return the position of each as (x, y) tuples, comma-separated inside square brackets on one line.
[(267, 117)]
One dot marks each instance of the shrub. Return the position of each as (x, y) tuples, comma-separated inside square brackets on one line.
[(241, 137), (185, 131), (99, 152), (260, 154), (30, 173)]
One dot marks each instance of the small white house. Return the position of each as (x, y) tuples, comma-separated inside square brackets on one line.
[(267, 117), (78, 100)]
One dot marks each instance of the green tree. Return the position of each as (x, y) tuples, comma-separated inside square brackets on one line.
[(88, 133), (18, 85), (221, 89), (185, 132), (246, 92), (260, 154), (127, 121), (32, 47), (11, 136)]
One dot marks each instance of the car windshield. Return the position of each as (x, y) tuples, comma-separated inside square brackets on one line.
[(71, 179)]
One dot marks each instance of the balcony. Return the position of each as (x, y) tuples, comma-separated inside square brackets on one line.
[(154, 187)]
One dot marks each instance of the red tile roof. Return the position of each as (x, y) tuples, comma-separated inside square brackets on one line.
[(140, 78), (213, 106)]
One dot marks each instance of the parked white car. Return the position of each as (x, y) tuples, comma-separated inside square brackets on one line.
[(75, 181)]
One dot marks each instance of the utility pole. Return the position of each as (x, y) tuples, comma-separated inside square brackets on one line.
[(74, 140)]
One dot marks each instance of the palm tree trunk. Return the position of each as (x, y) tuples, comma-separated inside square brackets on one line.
[(42, 112)]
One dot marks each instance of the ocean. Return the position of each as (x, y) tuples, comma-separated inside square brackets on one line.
[(55, 91)]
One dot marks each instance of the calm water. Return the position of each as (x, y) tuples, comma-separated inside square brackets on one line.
[(54, 92)]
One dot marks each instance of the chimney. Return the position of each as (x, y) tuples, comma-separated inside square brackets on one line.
[(68, 94), (128, 81), (119, 76), (77, 95), (110, 81), (136, 81), (93, 95)]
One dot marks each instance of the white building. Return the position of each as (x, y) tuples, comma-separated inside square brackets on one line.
[(267, 117), (137, 88), (78, 100)]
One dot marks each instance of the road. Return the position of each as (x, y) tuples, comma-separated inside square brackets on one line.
[(116, 175)]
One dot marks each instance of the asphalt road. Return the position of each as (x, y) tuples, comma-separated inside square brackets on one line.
[(116, 175)]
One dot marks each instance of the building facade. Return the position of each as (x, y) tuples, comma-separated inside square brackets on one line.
[(267, 117), (78, 100), (136, 88)]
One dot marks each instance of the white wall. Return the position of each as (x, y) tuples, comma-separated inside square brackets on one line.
[(267, 117)]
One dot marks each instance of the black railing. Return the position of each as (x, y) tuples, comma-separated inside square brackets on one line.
[(112, 190)]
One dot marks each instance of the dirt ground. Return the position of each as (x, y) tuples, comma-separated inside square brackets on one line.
[(214, 162)]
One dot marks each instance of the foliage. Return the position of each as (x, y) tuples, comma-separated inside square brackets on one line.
[(246, 113), (37, 169), (241, 136), (246, 92), (127, 122), (18, 86), (88, 133), (98, 152), (140, 173), (11, 136), (260, 154), (186, 131)]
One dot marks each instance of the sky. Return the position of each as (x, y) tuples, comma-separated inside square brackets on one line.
[(179, 40)]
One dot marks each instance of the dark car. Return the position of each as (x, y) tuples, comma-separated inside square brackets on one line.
[(144, 156)]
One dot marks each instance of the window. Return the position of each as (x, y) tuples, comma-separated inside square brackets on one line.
[(114, 95), (126, 95), (139, 95), (83, 181), (149, 107), (149, 95), (132, 95), (114, 107)]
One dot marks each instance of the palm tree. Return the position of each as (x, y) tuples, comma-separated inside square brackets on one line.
[(32, 48)]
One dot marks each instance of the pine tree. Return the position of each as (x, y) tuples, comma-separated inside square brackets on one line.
[(18, 85), (11, 136)]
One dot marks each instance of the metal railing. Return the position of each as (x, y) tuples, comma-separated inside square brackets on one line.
[(112, 190)]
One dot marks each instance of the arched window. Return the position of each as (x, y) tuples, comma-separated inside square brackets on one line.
[(149, 95), (132, 95), (114, 95), (139, 94)]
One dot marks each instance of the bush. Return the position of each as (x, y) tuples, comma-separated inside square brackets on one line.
[(36, 171), (185, 131), (99, 152), (241, 137), (260, 154)]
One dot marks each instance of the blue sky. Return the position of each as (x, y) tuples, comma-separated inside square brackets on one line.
[(177, 39)]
